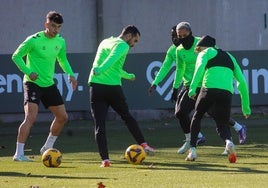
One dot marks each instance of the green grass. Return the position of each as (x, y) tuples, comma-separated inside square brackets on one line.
[(167, 169)]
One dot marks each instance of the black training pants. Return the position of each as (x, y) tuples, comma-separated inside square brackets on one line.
[(220, 102), (184, 107), (101, 98)]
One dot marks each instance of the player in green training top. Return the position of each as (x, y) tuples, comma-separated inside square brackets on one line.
[(185, 65), (42, 50), (105, 88), (216, 69), (170, 58)]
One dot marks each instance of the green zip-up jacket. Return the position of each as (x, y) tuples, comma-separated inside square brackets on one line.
[(109, 61), (185, 64), (220, 75), (41, 55), (166, 65)]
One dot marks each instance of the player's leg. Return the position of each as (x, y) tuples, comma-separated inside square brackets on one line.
[(99, 109), (60, 118), (241, 130), (201, 139), (52, 100), (203, 103), (31, 110), (222, 112), (31, 102), (183, 108), (119, 104)]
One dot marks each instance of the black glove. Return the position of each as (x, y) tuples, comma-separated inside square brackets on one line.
[(174, 95), (151, 89)]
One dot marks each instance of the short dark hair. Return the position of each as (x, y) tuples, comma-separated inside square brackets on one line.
[(55, 17), (131, 29), (173, 29), (206, 41)]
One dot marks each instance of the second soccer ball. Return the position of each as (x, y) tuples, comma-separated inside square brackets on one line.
[(135, 154)]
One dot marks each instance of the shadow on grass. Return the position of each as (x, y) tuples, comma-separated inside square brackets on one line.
[(17, 174), (192, 166)]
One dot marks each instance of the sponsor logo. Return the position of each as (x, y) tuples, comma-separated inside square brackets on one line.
[(257, 79)]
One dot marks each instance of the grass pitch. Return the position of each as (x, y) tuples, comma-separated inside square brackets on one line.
[(167, 169)]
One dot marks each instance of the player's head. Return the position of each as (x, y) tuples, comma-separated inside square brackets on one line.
[(55, 17), (184, 32), (131, 35), (53, 23), (205, 42), (174, 36)]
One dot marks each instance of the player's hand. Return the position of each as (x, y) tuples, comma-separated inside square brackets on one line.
[(73, 81), (132, 77), (151, 89), (174, 95), (247, 116), (33, 76)]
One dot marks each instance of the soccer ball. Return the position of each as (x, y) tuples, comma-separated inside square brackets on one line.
[(232, 158), (52, 157), (135, 154)]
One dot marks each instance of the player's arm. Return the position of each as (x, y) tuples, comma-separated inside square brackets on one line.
[(66, 67), (201, 63), (17, 57), (116, 53), (128, 76), (166, 65), (242, 87), (179, 72)]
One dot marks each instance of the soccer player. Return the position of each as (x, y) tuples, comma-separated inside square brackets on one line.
[(185, 65), (42, 50), (165, 68), (106, 88), (216, 69)]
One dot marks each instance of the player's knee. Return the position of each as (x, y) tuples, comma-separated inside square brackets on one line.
[(62, 118), (29, 119)]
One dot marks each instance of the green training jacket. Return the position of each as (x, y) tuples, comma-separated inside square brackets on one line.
[(109, 61), (166, 65), (41, 55), (185, 64), (220, 76)]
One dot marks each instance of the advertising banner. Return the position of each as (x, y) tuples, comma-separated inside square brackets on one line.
[(144, 66)]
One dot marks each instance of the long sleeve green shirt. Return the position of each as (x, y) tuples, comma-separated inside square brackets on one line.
[(170, 58), (41, 55), (109, 61), (185, 64), (220, 77)]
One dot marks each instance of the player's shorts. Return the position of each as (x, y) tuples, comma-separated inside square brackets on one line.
[(49, 96)]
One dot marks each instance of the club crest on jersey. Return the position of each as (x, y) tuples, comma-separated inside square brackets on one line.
[(43, 48), (56, 48)]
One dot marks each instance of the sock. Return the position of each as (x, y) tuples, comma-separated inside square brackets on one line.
[(187, 137), (19, 149), (227, 141), (50, 141), (200, 135), (237, 127)]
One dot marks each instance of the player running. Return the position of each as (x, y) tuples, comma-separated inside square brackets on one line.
[(216, 69)]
